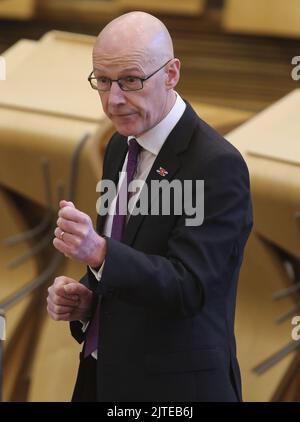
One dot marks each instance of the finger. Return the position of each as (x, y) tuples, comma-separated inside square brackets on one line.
[(71, 227), (71, 298), (67, 237), (71, 213), (59, 287), (58, 284), (60, 309), (63, 203), (63, 300), (63, 279), (59, 317), (64, 248), (78, 289), (58, 232)]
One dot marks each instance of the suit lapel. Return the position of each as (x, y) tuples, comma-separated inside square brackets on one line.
[(117, 160), (168, 159), (118, 153)]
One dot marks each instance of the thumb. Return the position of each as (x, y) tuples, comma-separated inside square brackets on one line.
[(76, 288), (63, 203)]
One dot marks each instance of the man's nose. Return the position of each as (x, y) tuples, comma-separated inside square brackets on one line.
[(116, 95)]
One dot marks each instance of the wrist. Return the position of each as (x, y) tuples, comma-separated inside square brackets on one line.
[(99, 253)]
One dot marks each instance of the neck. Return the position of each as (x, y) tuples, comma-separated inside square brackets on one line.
[(170, 103)]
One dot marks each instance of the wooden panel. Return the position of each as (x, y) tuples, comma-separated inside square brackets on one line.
[(55, 365), (17, 9), (82, 10), (275, 191), (221, 118), (12, 280), (274, 134), (274, 17), (48, 129), (257, 334), (187, 7), (49, 68), (275, 182), (89, 10), (18, 52), (54, 370)]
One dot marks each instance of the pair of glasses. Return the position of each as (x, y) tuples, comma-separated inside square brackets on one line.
[(128, 83)]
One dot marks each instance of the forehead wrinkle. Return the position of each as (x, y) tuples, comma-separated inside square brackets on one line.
[(137, 60)]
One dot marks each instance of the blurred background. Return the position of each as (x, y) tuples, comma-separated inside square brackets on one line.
[(239, 71)]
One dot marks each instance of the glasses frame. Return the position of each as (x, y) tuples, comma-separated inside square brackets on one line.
[(119, 81)]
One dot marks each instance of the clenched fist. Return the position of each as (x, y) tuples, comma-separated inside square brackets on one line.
[(76, 238), (68, 300)]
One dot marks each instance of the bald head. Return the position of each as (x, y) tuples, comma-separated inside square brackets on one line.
[(135, 33), (136, 72)]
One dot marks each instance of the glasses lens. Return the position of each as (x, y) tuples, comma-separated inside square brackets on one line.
[(102, 84), (131, 83)]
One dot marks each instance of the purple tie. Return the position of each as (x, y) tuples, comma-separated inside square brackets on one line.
[(117, 230), (119, 220)]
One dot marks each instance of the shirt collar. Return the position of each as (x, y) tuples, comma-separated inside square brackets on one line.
[(153, 139)]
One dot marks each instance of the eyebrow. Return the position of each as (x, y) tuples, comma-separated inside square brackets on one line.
[(123, 71)]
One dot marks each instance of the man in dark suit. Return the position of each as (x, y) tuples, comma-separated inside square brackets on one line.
[(161, 296)]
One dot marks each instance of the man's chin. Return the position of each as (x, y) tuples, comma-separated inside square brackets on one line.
[(126, 125), (127, 130)]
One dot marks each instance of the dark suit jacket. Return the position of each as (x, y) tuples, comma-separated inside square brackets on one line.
[(168, 291)]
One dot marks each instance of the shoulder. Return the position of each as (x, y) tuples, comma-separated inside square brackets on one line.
[(116, 142), (208, 148), (115, 146)]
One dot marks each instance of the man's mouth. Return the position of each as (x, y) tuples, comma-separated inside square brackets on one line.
[(121, 113)]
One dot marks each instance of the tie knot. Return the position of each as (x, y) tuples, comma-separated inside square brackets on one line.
[(133, 149)]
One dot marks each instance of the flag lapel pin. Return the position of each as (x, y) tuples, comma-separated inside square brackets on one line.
[(162, 172)]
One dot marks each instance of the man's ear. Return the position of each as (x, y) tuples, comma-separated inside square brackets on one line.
[(173, 74)]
